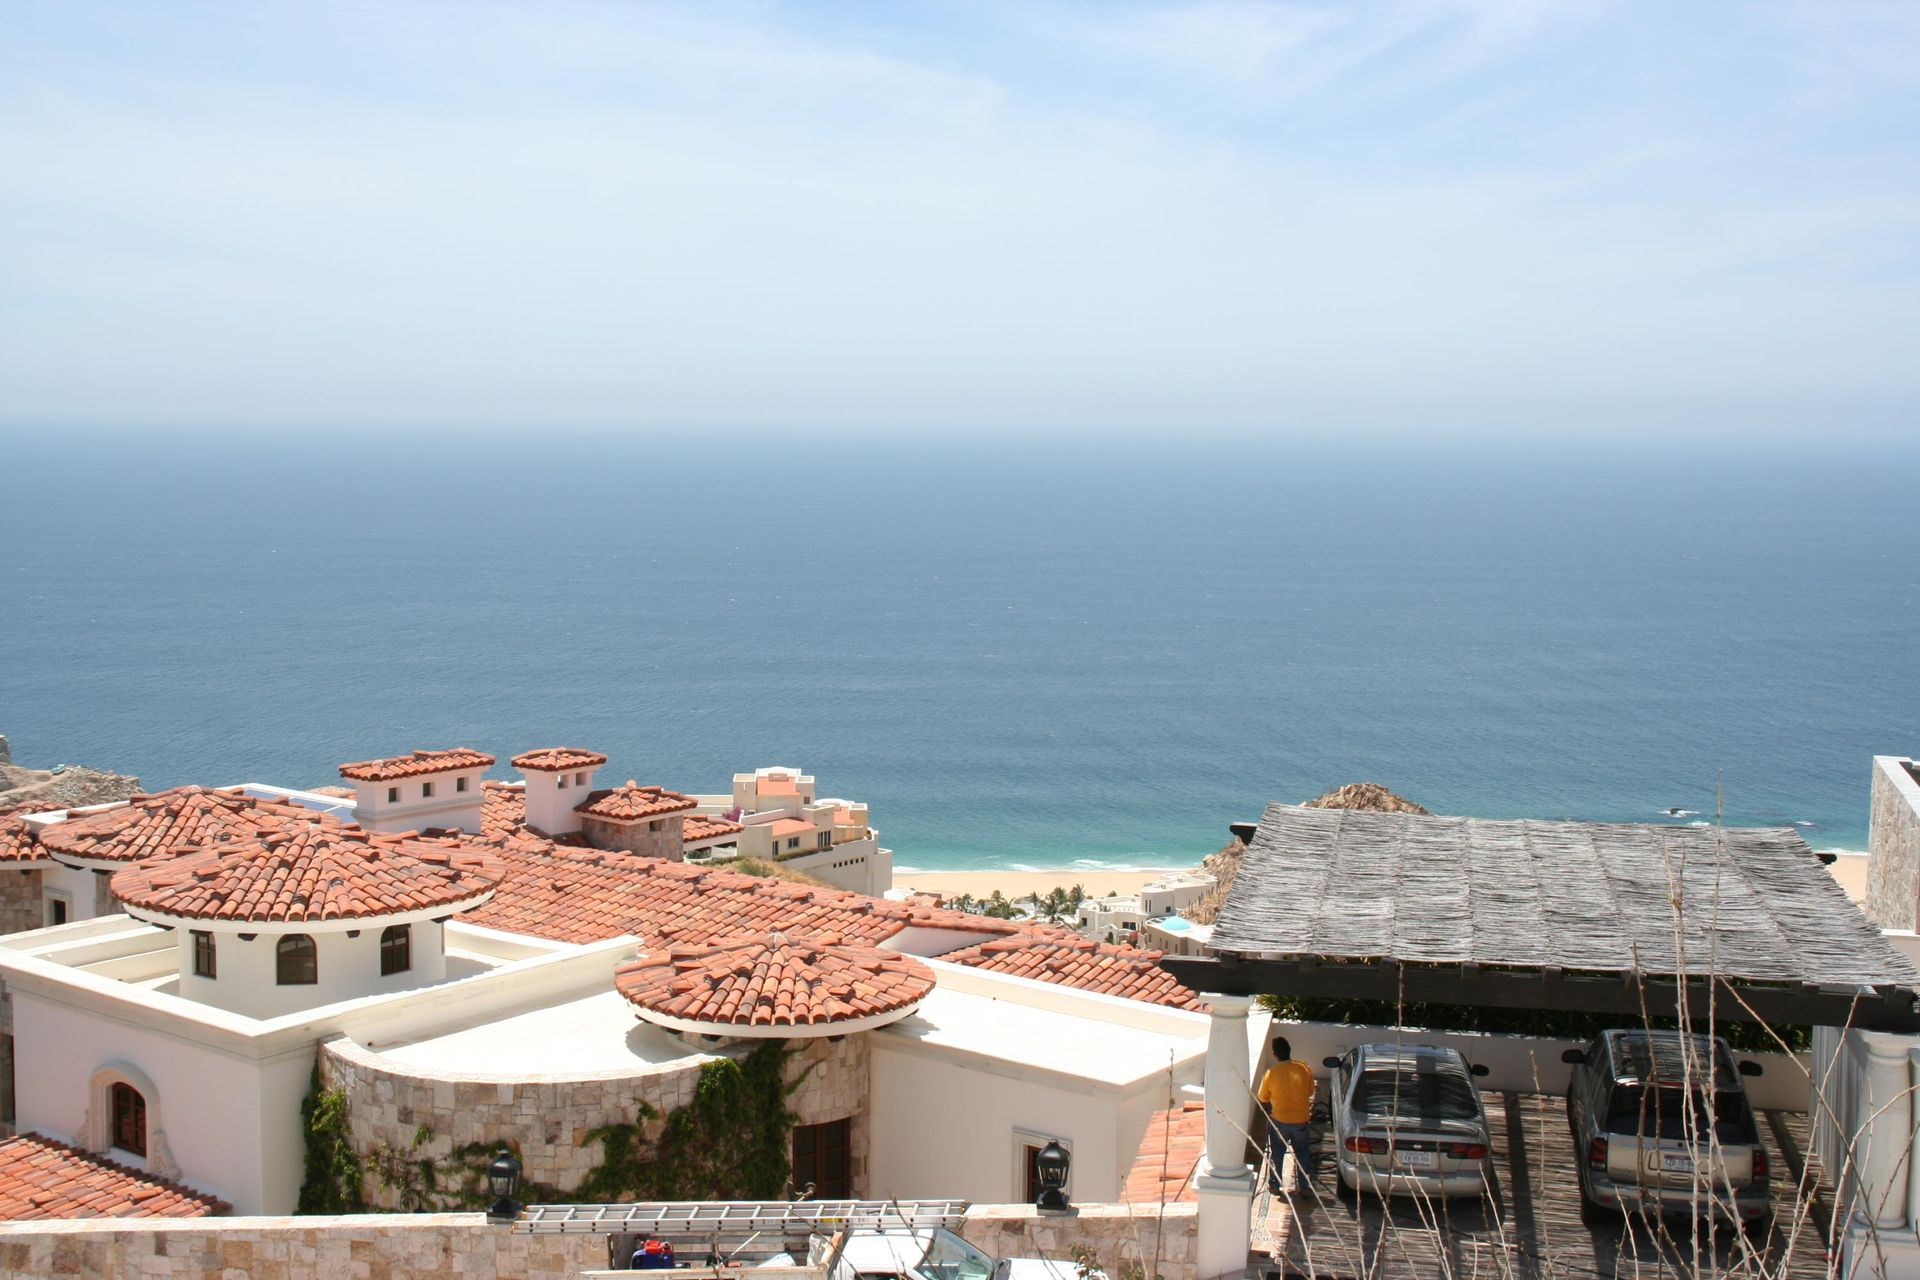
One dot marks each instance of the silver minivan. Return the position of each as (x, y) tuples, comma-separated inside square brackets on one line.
[(1661, 1123)]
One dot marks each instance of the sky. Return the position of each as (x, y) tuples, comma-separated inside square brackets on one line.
[(1531, 216)]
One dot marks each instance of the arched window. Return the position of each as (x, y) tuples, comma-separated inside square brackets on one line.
[(396, 949), (298, 964), (129, 1119)]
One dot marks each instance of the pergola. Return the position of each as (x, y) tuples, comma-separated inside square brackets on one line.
[(1610, 918), (1617, 919)]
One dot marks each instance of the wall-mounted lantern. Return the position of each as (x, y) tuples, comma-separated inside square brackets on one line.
[(1052, 1164), (503, 1178)]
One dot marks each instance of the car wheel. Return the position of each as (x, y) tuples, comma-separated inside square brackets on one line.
[(1591, 1214), (1344, 1189)]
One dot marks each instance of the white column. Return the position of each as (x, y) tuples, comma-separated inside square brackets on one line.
[(1224, 1187), (1885, 1142)]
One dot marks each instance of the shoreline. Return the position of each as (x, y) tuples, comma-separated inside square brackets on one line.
[(1018, 884)]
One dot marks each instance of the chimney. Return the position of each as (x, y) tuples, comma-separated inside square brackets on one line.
[(558, 778)]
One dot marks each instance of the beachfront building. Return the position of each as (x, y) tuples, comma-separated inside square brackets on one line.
[(1121, 917), (781, 819), (507, 985)]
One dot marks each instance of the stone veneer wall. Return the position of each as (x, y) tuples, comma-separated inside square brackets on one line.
[(21, 907), (668, 842), (1893, 867), (461, 1246), (548, 1118), (834, 1084)]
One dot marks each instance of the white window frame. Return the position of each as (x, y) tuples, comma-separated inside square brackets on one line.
[(1024, 1138)]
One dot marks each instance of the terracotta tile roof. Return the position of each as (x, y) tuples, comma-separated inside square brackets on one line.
[(701, 827), (632, 802), (558, 760), (337, 793), (315, 872), (415, 764), (584, 895), (1072, 961), (18, 844), (785, 827), (41, 1178), (163, 821), (1169, 1153), (503, 808), (775, 980), (775, 787)]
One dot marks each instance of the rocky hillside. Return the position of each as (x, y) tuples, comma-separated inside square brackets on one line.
[(1225, 864), (65, 786)]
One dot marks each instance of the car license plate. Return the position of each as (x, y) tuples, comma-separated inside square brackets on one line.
[(1675, 1162), (1415, 1159)]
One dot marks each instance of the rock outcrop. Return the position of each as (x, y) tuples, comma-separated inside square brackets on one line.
[(65, 786), (1225, 864)]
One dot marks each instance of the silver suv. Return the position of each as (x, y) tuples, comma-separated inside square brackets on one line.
[(1661, 1123)]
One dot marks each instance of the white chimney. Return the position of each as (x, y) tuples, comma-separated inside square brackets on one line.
[(558, 778)]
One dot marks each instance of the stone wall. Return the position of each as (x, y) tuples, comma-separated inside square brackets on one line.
[(20, 901), (462, 1246), (1893, 867), (667, 842), (447, 1246), (547, 1118), (834, 1086), (1127, 1240)]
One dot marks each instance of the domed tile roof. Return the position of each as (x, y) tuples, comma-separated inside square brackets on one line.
[(774, 985), (633, 802), (163, 821), (310, 874), (18, 844)]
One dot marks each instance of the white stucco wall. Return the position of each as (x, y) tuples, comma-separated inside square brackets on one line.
[(448, 806), (246, 978), (78, 887), (947, 1127), (206, 1104)]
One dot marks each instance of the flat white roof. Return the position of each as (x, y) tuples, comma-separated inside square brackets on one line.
[(1048, 1035), (592, 1035)]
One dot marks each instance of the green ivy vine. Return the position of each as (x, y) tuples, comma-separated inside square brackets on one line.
[(334, 1175)]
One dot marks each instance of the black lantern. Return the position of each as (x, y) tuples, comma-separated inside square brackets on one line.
[(503, 1177), (1051, 1163)]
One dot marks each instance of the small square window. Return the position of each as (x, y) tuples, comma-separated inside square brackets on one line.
[(426, 790), (579, 779), (393, 795), (459, 784), (563, 782)]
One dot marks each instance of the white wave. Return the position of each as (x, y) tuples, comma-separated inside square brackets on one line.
[(1699, 822)]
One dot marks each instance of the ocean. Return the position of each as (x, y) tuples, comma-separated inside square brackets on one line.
[(1055, 653)]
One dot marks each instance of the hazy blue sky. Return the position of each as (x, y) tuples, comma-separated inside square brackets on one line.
[(1548, 216)]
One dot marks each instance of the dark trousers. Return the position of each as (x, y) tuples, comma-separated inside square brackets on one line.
[(1284, 1137)]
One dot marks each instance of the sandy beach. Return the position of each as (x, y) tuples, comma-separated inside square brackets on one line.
[(1018, 884)]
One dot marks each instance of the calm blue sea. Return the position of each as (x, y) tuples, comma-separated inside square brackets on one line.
[(1066, 653)]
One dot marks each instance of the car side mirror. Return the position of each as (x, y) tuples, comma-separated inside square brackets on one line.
[(1575, 1056), (1330, 1061), (1478, 1068), (1748, 1067)]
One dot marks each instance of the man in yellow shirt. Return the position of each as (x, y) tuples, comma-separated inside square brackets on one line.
[(1286, 1094)]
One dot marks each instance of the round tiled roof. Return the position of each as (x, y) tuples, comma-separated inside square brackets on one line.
[(415, 764), (632, 802), (310, 874), (773, 984), (18, 844), (163, 821)]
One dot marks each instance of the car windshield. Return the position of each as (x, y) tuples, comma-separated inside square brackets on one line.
[(951, 1258), (1413, 1095), (1663, 1111)]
